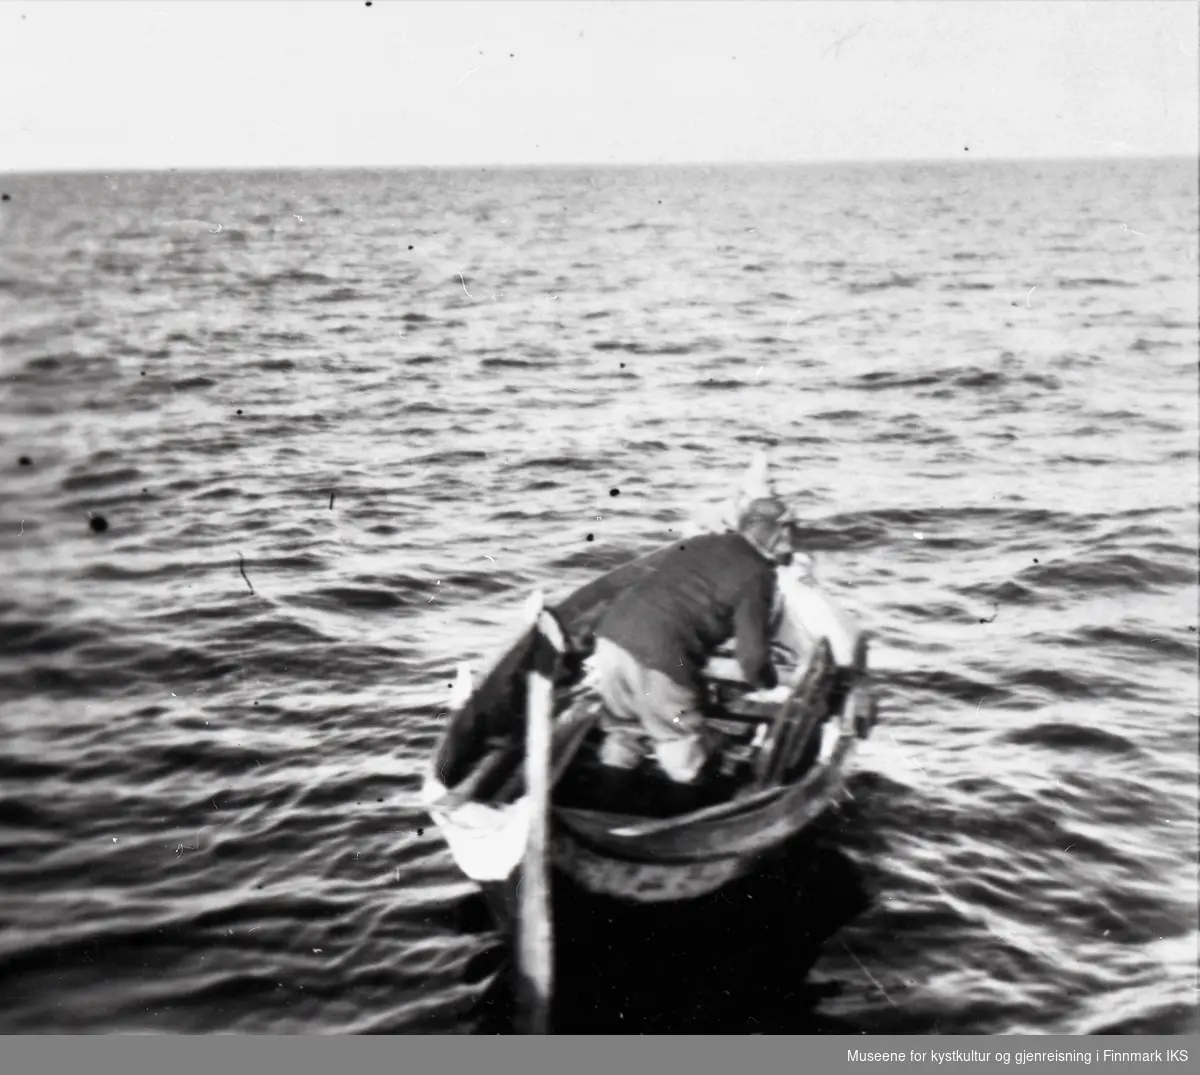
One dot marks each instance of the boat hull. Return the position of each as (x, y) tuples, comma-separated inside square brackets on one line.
[(657, 862), (487, 853), (642, 882)]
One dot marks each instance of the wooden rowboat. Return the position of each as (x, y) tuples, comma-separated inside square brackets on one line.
[(517, 790)]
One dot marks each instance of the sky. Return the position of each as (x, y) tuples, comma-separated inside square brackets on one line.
[(114, 84)]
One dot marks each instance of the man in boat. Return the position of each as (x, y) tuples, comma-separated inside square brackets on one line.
[(653, 643)]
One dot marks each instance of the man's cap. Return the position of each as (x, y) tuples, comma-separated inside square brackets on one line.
[(765, 511)]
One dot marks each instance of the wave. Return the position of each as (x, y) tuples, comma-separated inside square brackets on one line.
[(101, 479), (186, 384), (1041, 380), (951, 685), (1144, 346), (513, 364), (16, 814), (721, 384), (941, 612), (35, 637), (878, 380), (272, 336), (450, 458), (1070, 737), (483, 582), (578, 463), (53, 682), (361, 598), (955, 377), (1061, 684), (113, 571), (1163, 640), (977, 378), (896, 281), (338, 294), (54, 363), (865, 528), (250, 636), (836, 416), (1116, 571), (1076, 283), (16, 768), (289, 276), (704, 343), (161, 664)]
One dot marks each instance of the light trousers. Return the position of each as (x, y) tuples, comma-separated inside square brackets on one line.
[(644, 704)]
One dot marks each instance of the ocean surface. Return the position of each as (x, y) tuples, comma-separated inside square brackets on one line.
[(339, 424)]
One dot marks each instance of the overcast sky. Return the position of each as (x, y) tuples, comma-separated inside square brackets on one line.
[(235, 83)]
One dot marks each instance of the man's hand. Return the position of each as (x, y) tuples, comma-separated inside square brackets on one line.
[(771, 696), (802, 567)]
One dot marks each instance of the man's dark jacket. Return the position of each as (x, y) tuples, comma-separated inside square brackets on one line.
[(709, 589)]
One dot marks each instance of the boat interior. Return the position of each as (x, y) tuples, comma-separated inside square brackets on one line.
[(766, 738)]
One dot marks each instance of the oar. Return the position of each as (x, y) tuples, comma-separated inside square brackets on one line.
[(535, 932)]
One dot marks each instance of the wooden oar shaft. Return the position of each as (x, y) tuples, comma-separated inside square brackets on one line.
[(535, 931)]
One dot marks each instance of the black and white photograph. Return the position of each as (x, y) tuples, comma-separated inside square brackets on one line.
[(599, 518)]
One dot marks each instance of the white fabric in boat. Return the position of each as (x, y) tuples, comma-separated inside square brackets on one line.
[(487, 841)]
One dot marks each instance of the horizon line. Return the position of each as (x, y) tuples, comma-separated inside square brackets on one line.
[(160, 169)]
